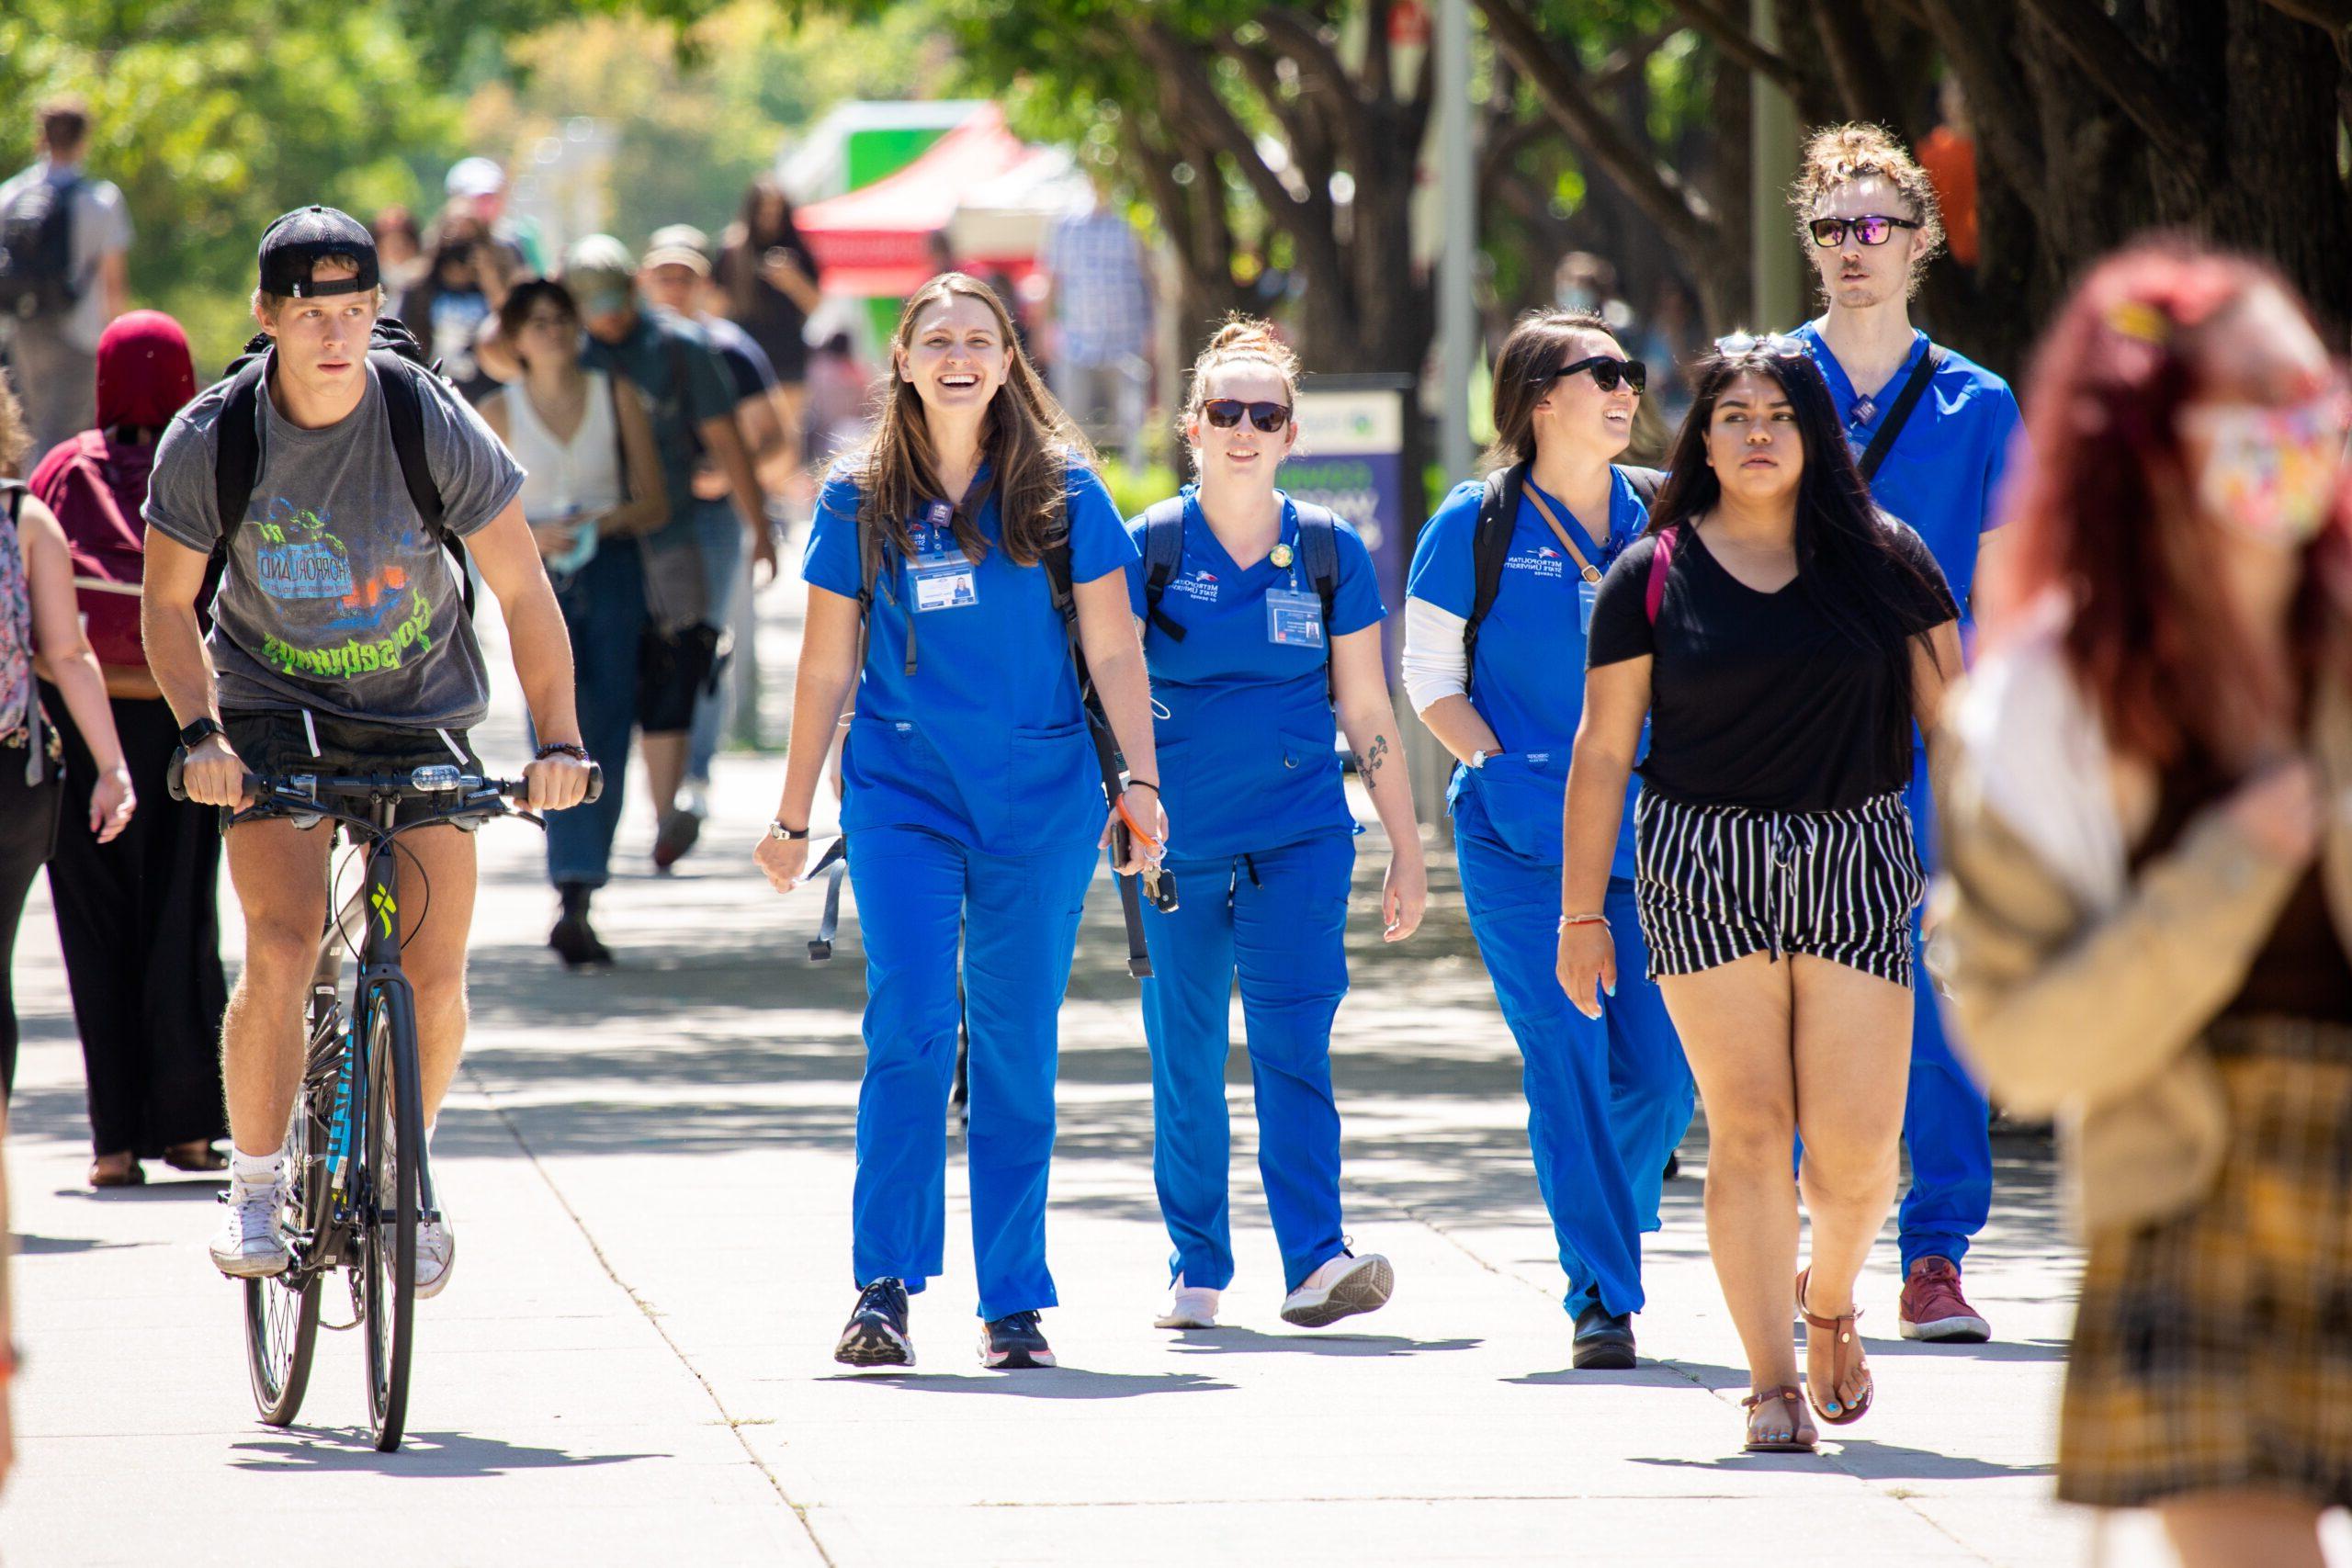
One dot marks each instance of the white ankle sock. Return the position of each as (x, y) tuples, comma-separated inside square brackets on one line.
[(254, 1170)]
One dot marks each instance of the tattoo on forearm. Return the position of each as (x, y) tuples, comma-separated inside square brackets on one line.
[(1368, 761)]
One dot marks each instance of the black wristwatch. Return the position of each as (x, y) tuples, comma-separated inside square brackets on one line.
[(776, 830), (196, 734)]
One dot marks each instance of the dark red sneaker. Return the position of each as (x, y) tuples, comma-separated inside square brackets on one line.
[(1934, 1310)]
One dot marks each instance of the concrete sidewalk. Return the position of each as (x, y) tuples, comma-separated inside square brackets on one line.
[(650, 1172)]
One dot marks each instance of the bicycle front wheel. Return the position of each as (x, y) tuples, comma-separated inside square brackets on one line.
[(282, 1314), (391, 1145)]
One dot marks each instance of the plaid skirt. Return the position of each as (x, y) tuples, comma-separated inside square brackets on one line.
[(2214, 1350)]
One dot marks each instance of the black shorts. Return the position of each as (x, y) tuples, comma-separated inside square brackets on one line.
[(295, 740), (673, 669)]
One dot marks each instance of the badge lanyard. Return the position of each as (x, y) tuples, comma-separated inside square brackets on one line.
[(1294, 619), (943, 577), (1589, 588)]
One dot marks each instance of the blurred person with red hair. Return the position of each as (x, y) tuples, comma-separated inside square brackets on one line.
[(2150, 882), (138, 915)]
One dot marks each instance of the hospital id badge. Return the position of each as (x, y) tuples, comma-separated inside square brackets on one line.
[(1587, 596), (947, 581), (1294, 619)]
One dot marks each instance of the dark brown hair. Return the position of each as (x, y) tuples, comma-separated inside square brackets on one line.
[(1540, 342), (1030, 445)]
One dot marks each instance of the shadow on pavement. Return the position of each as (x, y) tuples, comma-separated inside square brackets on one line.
[(1648, 1374), (442, 1455), (1231, 1341), (1055, 1383), (34, 1245)]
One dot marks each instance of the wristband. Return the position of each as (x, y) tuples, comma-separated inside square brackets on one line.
[(1568, 921), (571, 749), (1143, 784)]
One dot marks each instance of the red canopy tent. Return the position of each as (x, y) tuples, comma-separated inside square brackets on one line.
[(876, 241)]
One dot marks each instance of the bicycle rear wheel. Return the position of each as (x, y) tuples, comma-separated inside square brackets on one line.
[(282, 1314), (391, 1146)]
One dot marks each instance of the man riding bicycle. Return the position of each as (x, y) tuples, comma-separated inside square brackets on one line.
[(340, 645)]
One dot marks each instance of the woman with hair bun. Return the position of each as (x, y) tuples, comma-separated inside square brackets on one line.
[(1261, 618), (1496, 620), (972, 802)]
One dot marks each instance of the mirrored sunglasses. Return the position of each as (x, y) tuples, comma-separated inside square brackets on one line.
[(1225, 413), (1871, 229)]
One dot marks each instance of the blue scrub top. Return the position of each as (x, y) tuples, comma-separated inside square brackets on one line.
[(1943, 473), (1246, 757), (1527, 681), (985, 742)]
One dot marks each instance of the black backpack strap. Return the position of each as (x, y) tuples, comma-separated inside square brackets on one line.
[(1914, 388), (1489, 548), (1163, 558), (832, 866), (1646, 484), (237, 462), (681, 379), (404, 411), (1106, 751), (1318, 551)]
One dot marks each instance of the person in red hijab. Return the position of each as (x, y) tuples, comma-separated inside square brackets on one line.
[(137, 918)]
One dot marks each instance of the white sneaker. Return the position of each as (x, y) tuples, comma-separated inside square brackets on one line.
[(250, 1243), (1342, 1287), (436, 1255), (1189, 1306)]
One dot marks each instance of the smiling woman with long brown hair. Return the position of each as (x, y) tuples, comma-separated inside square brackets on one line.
[(971, 798)]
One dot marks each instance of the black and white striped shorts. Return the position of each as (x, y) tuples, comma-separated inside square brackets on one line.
[(1717, 883)]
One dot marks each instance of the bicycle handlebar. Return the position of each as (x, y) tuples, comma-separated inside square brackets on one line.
[(422, 783)]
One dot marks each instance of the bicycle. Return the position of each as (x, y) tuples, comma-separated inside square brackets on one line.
[(358, 1185)]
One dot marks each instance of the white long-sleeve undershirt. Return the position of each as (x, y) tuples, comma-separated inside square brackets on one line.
[(1436, 664)]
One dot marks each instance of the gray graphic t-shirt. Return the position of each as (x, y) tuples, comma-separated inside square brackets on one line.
[(336, 597)]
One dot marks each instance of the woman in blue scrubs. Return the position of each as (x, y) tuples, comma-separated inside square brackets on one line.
[(972, 802), (1246, 669), (1606, 1098)]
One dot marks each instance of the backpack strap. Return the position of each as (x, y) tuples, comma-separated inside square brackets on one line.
[(1318, 551), (1661, 560), (1057, 563), (1646, 484), (1489, 548), (404, 411), (1914, 386), (1163, 558), (238, 461)]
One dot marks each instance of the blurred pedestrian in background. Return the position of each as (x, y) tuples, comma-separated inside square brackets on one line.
[(41, 639), (399, 251), (138, 918), (1099, 298), (768, 277), (2144, 925), (66, 236)]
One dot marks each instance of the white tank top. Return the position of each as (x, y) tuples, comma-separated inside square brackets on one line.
[(583, 475)]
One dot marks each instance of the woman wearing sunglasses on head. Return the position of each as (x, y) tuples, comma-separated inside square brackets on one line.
[(1782, 635), (971, 802), (1497, 614), (1260, 615)]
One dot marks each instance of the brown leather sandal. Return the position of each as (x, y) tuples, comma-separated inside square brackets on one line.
[(1844, 1329), (1802, 1437), (197, 1154)]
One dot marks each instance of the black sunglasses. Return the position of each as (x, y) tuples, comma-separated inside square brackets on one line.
[(1606, 372), (1871, 229), (1772, 345), (1225, 413)]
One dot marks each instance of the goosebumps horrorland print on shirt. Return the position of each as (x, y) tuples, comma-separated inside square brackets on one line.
[(336, 597)]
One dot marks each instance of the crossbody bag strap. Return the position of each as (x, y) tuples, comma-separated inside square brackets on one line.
[(1590, 572), (1914, 388)]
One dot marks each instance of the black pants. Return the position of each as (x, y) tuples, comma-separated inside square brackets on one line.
[(139, 920), (28, 833)]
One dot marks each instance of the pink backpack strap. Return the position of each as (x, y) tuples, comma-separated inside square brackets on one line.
[(1661, 558)]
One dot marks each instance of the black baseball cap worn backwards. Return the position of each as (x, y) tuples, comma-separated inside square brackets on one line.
[(296, 243)]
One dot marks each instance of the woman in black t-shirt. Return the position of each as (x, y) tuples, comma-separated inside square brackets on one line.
[(1782, 635)]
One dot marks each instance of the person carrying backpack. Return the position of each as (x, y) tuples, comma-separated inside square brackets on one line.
[(961, 566), (1498, 609), (41, 639), (331, 476), (64, 237), (1933, 432), (138, 918), (1261, 616)]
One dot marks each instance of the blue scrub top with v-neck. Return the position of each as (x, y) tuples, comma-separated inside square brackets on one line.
[(1246, 757), (1943, 474), (986, 741), (1527, 677)]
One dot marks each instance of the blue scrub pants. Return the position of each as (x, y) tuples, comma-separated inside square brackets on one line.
[(1019, 919), (719, 532), (1608, 1099), (603, 609), (1944, 1119), (1278, 919)]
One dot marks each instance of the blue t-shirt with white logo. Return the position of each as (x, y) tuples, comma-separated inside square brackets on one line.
[(1527, 676), (1246, 748)]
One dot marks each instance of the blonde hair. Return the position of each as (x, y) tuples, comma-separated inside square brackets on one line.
[(1838, 153), (1031, 443), (1242, 339), (15, 436)]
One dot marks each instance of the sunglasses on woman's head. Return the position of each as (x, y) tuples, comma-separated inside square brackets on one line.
[(1606, 372), (1225, 413), (1772, 345), (1871, 229)]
